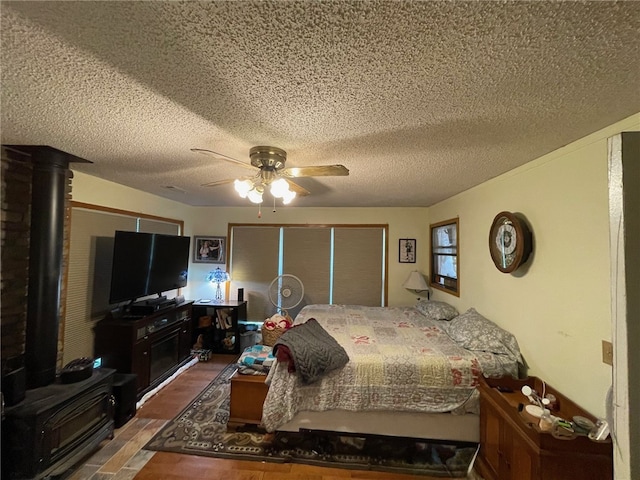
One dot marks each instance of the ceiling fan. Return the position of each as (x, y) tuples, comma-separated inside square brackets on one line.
[(270, 162)]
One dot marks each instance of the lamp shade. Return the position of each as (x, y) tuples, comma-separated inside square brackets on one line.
[(255, 195), (288, 196), (279, 188), (416, 282), (218, 276), (243, 187)]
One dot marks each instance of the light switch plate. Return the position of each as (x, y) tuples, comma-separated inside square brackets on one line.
[(607, 352)]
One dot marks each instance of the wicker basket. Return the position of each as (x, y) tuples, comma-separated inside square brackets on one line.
[(269, 337)]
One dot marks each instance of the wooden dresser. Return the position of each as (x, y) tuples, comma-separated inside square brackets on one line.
[(512, 446)]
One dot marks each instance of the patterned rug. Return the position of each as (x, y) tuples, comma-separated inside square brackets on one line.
[(201, 429)]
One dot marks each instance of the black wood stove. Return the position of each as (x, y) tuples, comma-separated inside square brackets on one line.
[(56, 426), (53, 424)]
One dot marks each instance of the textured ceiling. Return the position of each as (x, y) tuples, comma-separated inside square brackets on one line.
[(419, 100)]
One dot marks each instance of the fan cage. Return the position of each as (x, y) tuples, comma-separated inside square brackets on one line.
[(281, 290)]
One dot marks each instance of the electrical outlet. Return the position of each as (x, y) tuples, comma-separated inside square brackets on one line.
[(607, 352)]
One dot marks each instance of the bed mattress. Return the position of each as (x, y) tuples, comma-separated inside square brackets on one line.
[(399, 360)]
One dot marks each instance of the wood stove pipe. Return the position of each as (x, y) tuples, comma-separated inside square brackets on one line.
[(50, 176)]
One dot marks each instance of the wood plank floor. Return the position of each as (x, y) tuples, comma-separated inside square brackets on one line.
[(123, 458)]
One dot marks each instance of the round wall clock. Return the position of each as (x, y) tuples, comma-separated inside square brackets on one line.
[(509, 242)]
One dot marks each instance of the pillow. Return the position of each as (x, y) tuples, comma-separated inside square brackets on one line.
[(436, 310), (474, 332)]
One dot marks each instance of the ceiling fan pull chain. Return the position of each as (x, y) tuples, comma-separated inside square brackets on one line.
[(259, 210), (274, 204)]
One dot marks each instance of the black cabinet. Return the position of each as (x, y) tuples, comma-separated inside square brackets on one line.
[(218, 325), (151, 346)]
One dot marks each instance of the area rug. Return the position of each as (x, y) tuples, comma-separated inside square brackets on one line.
[(201, 429)]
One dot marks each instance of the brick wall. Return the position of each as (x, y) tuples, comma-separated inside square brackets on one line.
[(16, 201), (14, 272), (65, 266)]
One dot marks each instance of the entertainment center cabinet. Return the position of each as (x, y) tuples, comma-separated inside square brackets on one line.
[(150, 346)]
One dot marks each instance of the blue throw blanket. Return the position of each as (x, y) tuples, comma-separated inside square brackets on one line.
[(310, 350), (256, 360)]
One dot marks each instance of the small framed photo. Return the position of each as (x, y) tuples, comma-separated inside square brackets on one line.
[(407, 250), (209, 249)]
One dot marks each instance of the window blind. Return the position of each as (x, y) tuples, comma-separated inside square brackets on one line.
[(254, 264), (155, 226), (358, 266), (89, 274), (307, 255), (336, 264)]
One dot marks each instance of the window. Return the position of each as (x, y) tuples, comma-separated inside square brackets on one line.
[(444, 257), (339, 264), (91, 232)]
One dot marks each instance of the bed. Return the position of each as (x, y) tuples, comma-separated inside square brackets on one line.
[(410, 373)]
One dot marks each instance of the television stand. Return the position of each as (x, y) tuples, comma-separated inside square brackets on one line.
[(151, 346), (154, 301), (148, 307)]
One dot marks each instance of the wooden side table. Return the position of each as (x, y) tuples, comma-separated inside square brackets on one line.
[(247, 397)]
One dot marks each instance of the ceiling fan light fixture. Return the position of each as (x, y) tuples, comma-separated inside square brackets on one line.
[(243, 187), (270, 163), (288, 197), (279, 188), (255, 195)]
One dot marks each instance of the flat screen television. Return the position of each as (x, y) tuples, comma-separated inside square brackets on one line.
[(147, 264)]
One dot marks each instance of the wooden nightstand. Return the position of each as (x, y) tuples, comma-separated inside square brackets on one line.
[(247, 397), (512, 446)]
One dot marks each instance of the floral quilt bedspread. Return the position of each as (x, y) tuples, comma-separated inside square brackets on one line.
[(398, 360)]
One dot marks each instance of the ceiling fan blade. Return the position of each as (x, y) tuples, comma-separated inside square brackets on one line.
[(220, 156), (219, 182), (317, 171), (303, 192)]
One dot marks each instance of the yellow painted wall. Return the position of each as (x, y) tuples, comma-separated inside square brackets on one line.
[(94, 190), (558, 304), (403, 223)]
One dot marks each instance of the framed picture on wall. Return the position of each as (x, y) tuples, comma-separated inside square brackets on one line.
[(407, 250), (209, 249)]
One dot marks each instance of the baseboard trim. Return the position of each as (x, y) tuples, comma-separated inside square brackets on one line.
[(155, 390)]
